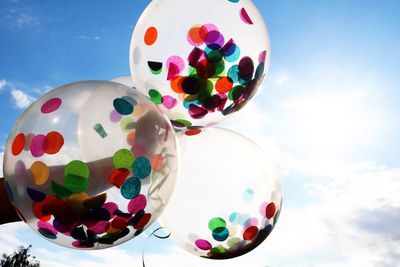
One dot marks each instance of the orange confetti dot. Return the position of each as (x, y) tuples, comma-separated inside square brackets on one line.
[(37, 210), (176, 84), (194, 36), (150, 36), (18, 144), (157, 162), (131, 138), (39, 172), (53, 143), (224, 85)]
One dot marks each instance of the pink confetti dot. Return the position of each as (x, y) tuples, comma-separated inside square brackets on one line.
[(169, 102), (137, 204), (203, 244), (36, 145), (51, 105)]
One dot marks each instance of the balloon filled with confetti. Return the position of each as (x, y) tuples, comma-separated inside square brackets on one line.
[(228, 198), (91, 164), (200, 61)]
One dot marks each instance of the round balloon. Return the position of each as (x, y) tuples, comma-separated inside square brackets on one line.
[(91, 164), (125, 80), (228, 198), (200, 61)]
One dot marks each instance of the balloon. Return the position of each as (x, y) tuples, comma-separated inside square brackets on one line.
[(125, 80), (228, 198), (200, 61), (91, 164)]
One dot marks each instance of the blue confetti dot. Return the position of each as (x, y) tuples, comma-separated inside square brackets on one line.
[(141, 168), (220, 234), (131, 188)]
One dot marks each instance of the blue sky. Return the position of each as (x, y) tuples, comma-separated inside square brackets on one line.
[(328, 113)]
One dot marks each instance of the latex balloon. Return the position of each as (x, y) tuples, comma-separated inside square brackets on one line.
[(91, 164), (200, 61), (228, 198), (125, 80)]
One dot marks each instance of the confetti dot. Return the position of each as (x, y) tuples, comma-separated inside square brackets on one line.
[(197, 112), (36, 145), (150, 36), (157, 162), (250, 233), (248, 195), (155, 67), (155, 96), (176, 84), (95, 202), (143, 221), (137, 204), (100, 227), (245, 16), (270, 210), (203, 244), (76, 175), (51, 105), (135, 219), (100, 130), (218, 250), (35, 195), (123, 158), (215, 223), (115, 116), (169, 102), (192, 132), (224, 85), (47, 233), (220, 234), (59, 190), (131, 188), (262, 57), (53, 143), (122, 106), (175, 65), (141, 168), (131, 138), (39, 172), (233, 241), (127, 124), (246, 68), (18, 144), (119, 176), (194, 37)]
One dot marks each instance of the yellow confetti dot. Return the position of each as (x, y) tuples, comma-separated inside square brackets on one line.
[(39, 172)]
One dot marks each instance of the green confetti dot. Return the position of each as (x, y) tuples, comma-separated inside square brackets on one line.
[(77, 168), (216, 223), (127, 124), (184, 122), (60, 190), (100, 130), (123, 158), (219, 250), (235, 92), (75, 183), (155, 96), (233, 241)]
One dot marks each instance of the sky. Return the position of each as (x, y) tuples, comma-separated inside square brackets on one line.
[(328, 114)]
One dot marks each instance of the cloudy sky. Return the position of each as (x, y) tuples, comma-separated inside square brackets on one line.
[(328, 114)]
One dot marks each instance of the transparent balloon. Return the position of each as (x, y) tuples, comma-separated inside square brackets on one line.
[(200, 61), (91, 164), (228, 198)]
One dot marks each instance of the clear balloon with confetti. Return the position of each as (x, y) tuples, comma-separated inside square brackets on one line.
[(91, 164), (228, 198), (200, 61)]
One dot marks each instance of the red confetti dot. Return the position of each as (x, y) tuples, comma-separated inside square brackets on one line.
[(18, 144), (53, 143), (51, 105), (245, 16), (270, 210), (192, 132), (250, 233), (151, 36), (118, 177), (37, 210), (143, 221)]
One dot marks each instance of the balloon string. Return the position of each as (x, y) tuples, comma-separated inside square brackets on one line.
[(154, 233)]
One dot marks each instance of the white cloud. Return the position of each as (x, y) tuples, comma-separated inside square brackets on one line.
[(23, 20), (21, 99), (3, 84)]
